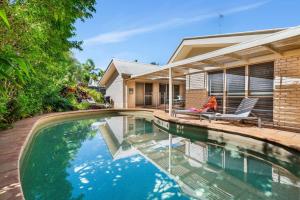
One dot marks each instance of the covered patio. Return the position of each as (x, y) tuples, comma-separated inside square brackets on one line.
[(267, 68)]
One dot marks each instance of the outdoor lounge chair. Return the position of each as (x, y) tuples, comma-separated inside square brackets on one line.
[(243, 112), (209, 106)]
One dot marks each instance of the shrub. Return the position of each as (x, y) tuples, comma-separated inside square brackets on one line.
[(97, 96), (83, 106), (56, 103)]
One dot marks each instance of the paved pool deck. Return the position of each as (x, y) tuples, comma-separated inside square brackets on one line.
[(285, 138), (14, 140)]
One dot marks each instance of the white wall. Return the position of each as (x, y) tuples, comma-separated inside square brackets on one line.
[(115, 89)]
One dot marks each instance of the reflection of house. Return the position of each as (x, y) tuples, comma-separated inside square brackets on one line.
[(114, 137), (202, 169), (132, 93)]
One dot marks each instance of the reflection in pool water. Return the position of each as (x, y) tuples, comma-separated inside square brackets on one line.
[(128, 157)]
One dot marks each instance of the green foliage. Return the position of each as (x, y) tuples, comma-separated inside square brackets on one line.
[(4, 18), (35, 56), (82, 106), (97, 96)]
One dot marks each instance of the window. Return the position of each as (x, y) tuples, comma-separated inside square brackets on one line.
[(215, 87), (164, 92), (195, 81), (261, 78), (235, 79), (235, 83)]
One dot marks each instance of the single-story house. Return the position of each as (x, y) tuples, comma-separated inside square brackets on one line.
[(263, 64), (127, 93)]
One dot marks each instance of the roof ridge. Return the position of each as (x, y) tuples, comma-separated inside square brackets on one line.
[(236, 33), (127, 61)]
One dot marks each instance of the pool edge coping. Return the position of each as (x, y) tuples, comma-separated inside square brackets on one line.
[(228, 129)]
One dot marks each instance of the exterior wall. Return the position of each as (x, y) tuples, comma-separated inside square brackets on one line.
[(287, 92), (131, 97), (195, 91), (115, 89), (195, 98)]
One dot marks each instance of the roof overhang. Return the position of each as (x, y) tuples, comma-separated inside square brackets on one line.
[(199, 45), (108, 73), (257, 50)]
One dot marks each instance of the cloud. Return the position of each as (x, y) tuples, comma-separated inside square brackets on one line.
[(119, 36)]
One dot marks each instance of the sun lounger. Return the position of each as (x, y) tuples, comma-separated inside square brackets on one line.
[(209, 106), (243, 112)]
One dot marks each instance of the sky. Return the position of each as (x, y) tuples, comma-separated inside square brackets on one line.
[(150, 30)]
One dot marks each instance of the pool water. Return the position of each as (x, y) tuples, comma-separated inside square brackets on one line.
[(129, 157)]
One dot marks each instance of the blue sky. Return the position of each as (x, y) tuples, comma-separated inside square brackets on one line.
[(150, 31)]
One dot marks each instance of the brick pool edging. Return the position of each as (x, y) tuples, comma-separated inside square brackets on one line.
[(14, 141)]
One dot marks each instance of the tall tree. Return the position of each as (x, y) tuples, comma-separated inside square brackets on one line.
[(35, 52)]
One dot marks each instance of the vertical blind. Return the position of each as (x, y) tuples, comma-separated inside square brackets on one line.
[(261, 78), (215, 83), (195, 81), (235, 83), (215, 87), (235, 79)]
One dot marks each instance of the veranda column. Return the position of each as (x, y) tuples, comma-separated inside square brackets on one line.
[(224, 90), (247, 81), (170, 92)]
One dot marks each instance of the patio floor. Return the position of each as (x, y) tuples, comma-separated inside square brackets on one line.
[(286, 138)]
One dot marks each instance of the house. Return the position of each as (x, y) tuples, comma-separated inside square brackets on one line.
[(263, 64), (127, 93)]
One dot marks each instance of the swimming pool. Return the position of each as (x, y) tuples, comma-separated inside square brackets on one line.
[(134, 157)]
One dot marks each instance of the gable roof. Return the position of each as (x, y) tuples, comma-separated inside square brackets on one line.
[(275, 45), (213, 42), (125, 68)]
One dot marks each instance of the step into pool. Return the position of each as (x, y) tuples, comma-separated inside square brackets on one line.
[(133, 157)]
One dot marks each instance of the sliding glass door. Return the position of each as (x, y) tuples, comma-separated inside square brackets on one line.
[(148, 94), (216, 86), (143, 94), (164, 92)]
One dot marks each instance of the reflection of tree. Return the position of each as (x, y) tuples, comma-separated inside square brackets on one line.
[(43, 173)]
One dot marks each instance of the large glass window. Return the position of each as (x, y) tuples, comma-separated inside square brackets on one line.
[(235, 84), (164, 92), (215, 87), (261, 80), (215, 83), (235, 80)]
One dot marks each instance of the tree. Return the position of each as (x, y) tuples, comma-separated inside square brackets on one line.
[(101, 72), (35, 58)]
